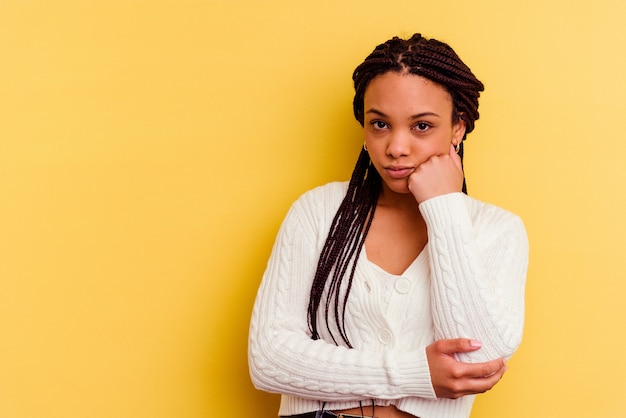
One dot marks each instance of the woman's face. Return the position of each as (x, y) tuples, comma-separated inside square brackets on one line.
[(407, 120)]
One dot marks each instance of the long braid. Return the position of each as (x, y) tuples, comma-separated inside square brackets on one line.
[(427, 58), (343, 245)]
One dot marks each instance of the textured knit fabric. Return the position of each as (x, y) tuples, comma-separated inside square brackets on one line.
[(467, 282)]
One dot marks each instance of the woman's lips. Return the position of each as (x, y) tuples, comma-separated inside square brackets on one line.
[(399, 172)]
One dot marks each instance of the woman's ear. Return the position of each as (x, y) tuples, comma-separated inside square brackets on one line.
[(458, 131)]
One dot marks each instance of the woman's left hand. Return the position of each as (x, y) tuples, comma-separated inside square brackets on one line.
[(440, 174)]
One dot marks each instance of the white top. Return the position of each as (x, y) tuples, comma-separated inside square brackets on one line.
[(467, 282)]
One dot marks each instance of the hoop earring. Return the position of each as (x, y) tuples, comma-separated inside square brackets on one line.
[(457, 147), (364, 146)]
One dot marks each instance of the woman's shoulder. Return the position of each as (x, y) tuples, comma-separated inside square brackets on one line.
[(317, 207), (492, 217), (479, 207), (328, 195)]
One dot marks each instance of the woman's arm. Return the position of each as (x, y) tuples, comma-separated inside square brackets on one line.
[(282, 356), (479, 258)]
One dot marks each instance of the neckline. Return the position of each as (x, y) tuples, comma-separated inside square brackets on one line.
[(406, 271)]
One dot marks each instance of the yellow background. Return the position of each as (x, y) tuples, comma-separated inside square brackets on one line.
[(150, 149)]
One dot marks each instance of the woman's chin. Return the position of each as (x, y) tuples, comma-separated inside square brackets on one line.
[(397, 186)]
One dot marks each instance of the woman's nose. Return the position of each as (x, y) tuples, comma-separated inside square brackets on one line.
[(398, 145)]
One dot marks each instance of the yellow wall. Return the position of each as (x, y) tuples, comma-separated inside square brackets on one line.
[(149, 150)]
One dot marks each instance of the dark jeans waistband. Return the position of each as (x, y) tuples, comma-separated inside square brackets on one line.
[(314, 414), (322, 414)]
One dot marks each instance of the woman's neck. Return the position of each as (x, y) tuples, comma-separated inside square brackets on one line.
[(398, 201)]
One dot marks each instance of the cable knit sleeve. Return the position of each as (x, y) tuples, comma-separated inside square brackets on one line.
[(479, 256), (283, 358)]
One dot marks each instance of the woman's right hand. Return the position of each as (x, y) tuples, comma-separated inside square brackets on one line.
[(440, 174), (453, 379)]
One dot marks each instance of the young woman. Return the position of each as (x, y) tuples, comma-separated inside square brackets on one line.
[(396, 294)]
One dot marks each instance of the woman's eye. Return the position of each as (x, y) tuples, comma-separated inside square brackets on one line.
[(422, 126), (379, 124)]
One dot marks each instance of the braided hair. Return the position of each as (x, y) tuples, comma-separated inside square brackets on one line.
[(417, 55)]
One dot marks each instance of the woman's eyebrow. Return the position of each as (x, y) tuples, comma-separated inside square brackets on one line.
[(376, 112), (421, 115), (416, 116)]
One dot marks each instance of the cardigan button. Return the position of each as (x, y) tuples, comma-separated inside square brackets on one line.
[(403, 285), (384, 336)]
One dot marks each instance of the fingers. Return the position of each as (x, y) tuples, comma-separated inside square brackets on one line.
[(440, 174), (485, 382), (456, 158), (479, 384), (469, 379), (453, 379), (457, 345), (452, 150), (485, 370)]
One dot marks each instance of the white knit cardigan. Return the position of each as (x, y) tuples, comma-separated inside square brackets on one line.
[(467, 282)]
